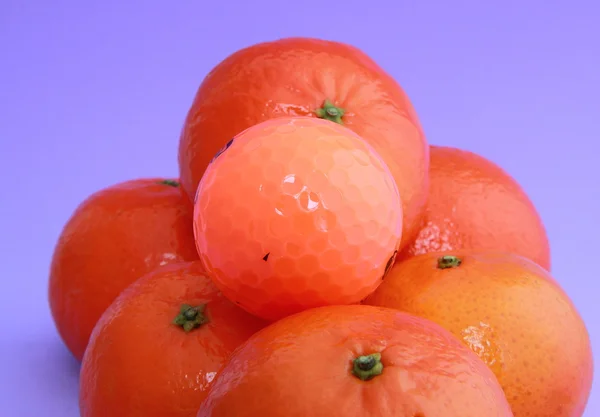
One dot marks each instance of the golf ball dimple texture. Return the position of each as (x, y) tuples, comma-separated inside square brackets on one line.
[(296, 213)]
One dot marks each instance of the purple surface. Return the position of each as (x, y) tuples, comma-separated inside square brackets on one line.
[(95, 93)]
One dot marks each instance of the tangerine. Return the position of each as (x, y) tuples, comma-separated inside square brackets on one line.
[(475, 204), (314, 78), (158, 347), (510, 312), (354, 361), (115, 236)]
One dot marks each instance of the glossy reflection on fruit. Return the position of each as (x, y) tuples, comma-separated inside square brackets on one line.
[(512, 313), (296, 213), (475, 204), (114, 237), (354, 361), (158, 347)]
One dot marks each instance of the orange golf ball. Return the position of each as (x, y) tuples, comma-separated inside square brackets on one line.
[(296, 213)]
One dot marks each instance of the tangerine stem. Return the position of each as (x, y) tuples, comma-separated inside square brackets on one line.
[(190, 317), (331, 112), (171, 183), (367, 367), (448, 261)]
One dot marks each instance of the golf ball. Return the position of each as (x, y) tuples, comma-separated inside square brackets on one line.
[(295, 213)]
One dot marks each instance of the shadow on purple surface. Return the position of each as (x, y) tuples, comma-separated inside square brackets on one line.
[(40, 378)]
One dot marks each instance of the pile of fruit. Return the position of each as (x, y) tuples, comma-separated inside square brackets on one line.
[(316, 257)]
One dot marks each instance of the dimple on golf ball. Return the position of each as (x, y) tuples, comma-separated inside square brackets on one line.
[(296, 213)]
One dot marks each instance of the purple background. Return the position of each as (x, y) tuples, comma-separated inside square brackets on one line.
[(93, 94)]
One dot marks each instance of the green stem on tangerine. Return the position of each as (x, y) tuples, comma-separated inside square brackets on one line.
[(448, 261), (368, 366), (190, 317), (171, 183), (330, 112)]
